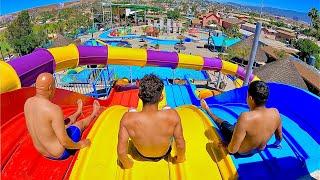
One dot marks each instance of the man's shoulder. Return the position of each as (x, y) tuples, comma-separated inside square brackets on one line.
[(274, 110), (127, 117), (43, 104), (171, 114)]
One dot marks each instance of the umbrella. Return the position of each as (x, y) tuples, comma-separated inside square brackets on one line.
[(181, 38), (179, 47)]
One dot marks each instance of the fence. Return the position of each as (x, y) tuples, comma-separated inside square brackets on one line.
[(94, 82)]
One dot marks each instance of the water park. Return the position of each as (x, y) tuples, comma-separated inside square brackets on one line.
[(107, 66), (119, 87)]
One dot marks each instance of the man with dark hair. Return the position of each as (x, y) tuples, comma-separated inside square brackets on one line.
[(253, 129), (151, 130)]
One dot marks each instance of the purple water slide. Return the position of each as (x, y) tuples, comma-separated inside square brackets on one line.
[(212, 64), (28, 67), (93, 55), (162, 58), (241, 73)]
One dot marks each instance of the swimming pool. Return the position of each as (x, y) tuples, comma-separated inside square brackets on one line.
[(121, 71), (92, 42), (106, 35), (150, 40), (224, 41), (155, 41), (117, 43)]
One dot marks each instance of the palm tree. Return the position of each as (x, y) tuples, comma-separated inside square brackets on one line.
[(314, 15)]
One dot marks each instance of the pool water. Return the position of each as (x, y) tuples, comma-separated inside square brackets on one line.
[(92, 42), (155, 41), (224, 41), (150, 40), (106, 35), (122, 71), (115, 43)]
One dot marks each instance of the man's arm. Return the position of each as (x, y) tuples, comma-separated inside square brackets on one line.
[(122, 149), (211, 114), (238, 136), (179, 139), (61, 133), (278, 132)]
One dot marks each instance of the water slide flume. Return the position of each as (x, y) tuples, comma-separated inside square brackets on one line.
[(22, 71), (204, 157)]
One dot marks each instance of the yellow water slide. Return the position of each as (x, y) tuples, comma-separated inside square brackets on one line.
[(205, 159)]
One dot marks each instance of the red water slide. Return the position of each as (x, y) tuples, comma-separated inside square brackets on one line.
[(20, 160)]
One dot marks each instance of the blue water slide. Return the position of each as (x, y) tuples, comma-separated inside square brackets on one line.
[(297, 104), (295, 156), (177, 95), (191, 88), (169, 95), (185, 95), (299, 154)]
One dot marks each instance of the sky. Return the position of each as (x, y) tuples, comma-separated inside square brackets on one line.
[(296, 5), (11, 6)]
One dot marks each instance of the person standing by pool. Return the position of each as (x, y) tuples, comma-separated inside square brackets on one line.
[(151, 130), (253, 129), (51, 135)]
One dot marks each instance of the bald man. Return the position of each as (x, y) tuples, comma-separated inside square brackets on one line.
[(52, 135)]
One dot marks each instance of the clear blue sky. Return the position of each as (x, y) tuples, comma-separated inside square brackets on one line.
[(296, 5), (11, 6)]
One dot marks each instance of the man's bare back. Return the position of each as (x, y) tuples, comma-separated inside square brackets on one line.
[(150, 130), (259, 125), (253, 129), (40, 126), (51, 135), (152, 133)]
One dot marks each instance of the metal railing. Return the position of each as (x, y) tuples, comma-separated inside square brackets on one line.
[(94, 82)]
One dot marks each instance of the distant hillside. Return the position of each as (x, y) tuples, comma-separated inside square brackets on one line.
[(295, 15)]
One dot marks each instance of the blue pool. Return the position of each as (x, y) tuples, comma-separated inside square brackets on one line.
[(155, 41), (224, 41), (162, 72), (118, 43), (93, 42), (151, 40), (106, 35)]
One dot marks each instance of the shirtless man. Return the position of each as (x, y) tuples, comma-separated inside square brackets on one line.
[(51, 135), (254, 128), (150, 130)]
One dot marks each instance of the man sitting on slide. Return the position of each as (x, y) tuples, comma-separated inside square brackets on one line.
[(53, 136), (254, 128), (151, 130)]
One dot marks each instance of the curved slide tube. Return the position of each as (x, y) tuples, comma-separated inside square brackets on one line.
[(299, 154), (204, 157), (23, 71)]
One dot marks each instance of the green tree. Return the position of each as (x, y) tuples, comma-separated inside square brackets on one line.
[(175, 14), (238, 52), (20, 34), (5, 48), (307, 48), (251, 19), (233, 32), (281, 54), (317, 64), (314, 15)]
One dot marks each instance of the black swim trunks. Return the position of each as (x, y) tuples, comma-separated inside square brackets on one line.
[(155, 158), (226, 130)]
